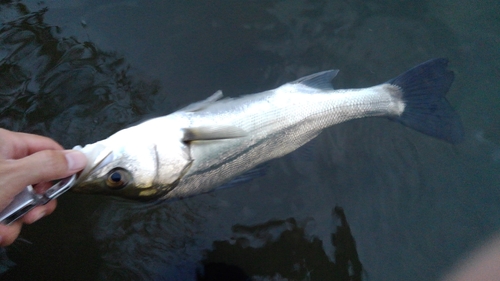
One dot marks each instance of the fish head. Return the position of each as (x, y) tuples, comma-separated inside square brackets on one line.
[(133, 165)]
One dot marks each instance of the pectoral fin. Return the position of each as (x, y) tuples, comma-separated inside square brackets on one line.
[(256, 172), (213, 133)]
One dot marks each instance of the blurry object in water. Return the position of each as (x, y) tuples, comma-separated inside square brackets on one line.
[(281, 250), (482, 264)]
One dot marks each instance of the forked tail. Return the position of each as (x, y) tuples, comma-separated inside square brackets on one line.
[(426, 108)]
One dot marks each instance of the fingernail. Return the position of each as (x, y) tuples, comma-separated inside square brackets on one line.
[(39, 216), (76, 160)]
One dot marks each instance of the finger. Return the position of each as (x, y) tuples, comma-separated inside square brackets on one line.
[(42, 166), (47, 165), (14, 145), (39, 212), (42, 187), (9, 233)]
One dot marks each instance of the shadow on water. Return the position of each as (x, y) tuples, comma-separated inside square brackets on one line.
[(281, 250)]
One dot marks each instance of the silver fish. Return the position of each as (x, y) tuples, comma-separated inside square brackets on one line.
[(204, 145)]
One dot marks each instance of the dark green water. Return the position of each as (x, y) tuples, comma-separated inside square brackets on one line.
[(78, 71)]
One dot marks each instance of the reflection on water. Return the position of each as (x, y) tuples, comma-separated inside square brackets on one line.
[(50, 83), (169, 242), (414, 204)]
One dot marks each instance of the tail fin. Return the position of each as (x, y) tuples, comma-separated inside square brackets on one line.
[(426, 108)]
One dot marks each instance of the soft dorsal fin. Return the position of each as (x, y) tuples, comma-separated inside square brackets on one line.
[(321, 80), (213, 133), (197, 106)]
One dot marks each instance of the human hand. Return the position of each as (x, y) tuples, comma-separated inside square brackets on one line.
[(31, 159)]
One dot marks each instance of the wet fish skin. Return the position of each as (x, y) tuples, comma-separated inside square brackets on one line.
[(196, 149)]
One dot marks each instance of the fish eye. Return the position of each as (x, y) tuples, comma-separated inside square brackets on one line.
[(117, 178)]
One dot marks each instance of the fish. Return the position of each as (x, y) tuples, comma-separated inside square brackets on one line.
[(206, 144)]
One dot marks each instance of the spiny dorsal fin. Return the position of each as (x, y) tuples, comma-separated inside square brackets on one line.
[(197, 106), (213, 133), (321, 80)]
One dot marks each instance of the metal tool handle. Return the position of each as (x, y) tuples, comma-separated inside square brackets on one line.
[(22, 203), (57, 189), (28, 199)]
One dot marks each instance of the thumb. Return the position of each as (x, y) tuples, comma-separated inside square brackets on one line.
[(39, 167)]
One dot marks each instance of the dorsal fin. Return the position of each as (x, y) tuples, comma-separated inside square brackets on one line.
[(321, 80), (197, 106)]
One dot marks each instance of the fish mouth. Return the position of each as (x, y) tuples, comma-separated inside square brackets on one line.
[(98, 155)]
